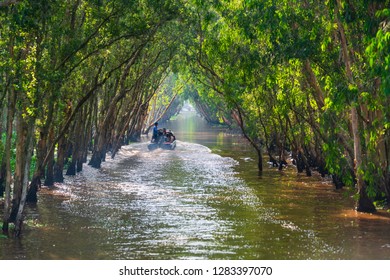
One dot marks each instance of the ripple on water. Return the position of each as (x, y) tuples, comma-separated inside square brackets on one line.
[(162, 199), (187, 203)]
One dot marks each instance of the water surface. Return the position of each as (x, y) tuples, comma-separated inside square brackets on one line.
[(204, 200)]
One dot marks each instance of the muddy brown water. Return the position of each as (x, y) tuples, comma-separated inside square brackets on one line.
[(204, 200)]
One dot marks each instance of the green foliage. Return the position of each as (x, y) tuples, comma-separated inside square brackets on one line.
[(378, 51), (380, 204), (282, 65), (13, 149)]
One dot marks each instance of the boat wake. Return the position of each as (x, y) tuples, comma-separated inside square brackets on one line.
[(164, 202)]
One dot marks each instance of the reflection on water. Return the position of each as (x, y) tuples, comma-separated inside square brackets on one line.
[(203, 200)]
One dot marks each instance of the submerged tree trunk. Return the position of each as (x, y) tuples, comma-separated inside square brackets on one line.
[(240, 121), (39, 173), (85, 138), (76, 142), (59, 163), (99, 152), (363, 204), (42, 150), (28, 149), (49, 176), (22, 167)]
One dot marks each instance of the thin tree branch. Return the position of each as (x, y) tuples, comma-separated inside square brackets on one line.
[(82, 45)]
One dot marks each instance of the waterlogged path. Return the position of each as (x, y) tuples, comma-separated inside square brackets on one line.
[(204, 200)]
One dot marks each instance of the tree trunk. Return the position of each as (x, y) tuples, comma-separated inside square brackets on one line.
[(363, 204), (59, 164), (86, 137), (318, 94), (20, 165), (108, 121), (302, 163), (3, 174), (49, 178), (240, 121), (76, 135), (99, 150), (7, 157), (28, 149), (3, 169)]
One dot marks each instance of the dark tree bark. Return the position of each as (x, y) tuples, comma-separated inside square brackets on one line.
[(3, 172), (76, 135), (59, 163), (49, 177)]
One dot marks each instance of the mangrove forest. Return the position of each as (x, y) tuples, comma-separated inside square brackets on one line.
[(305, 83)]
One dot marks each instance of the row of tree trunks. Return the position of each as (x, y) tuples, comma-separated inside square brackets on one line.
[(126, 123), (108, 120), (80, 139)]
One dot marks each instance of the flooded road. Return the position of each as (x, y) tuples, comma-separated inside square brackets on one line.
[(204, 200)]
